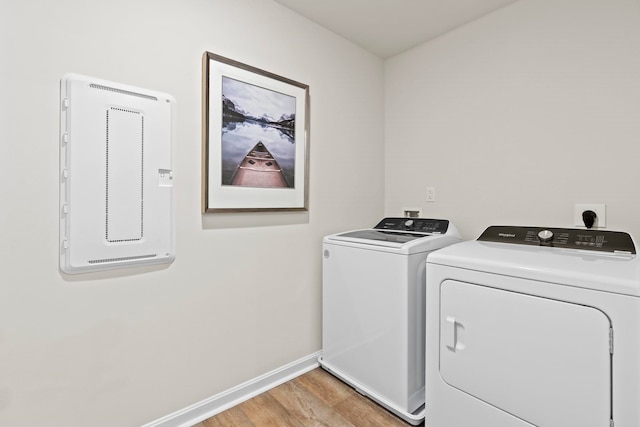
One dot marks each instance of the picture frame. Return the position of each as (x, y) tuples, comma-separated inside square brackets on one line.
[(255, 139)]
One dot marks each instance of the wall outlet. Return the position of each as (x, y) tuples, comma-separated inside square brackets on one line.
[(431, 194), (598, 208)]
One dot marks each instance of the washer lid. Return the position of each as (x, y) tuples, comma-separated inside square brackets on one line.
[(401, 235), (417, 225), (401, 230), (383, 236)]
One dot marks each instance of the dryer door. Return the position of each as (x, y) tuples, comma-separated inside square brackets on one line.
[(544, 361)]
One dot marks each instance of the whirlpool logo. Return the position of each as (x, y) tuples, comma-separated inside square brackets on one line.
[(507, 235)]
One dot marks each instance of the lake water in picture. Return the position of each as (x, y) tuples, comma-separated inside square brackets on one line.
[(238, 138)]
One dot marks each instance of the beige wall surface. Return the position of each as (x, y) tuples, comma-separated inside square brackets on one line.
[(518, 116), (243, 297)]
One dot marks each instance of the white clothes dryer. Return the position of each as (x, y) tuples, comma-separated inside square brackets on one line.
[(373, 290), (530, 326)]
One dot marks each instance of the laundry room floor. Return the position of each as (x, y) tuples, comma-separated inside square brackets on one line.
[(313, 399)]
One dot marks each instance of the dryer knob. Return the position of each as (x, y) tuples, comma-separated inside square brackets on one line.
[(408, 223), (545, 235)]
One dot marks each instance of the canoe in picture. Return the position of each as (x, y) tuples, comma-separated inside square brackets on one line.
[(259, 169)]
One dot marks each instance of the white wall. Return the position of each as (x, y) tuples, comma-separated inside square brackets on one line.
[(516, 117), (243, 297)]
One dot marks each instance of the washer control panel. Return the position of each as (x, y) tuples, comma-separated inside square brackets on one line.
[(569, 238), (417, 225)]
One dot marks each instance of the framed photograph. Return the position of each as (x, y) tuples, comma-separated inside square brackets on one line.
[(255, 139)]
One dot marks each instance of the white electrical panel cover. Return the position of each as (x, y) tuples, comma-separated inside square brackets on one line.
[(116, 177)]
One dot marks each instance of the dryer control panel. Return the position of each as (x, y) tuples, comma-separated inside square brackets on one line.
[(568, 238), (417, 225)]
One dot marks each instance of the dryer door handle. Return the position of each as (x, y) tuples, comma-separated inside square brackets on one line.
[(450, 332), (453, 333)]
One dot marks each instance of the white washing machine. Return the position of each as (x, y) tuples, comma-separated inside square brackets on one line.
[(373, 285), (534, 327)]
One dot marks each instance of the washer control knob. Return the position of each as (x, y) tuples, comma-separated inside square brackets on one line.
[(408, 223), (545, 235)]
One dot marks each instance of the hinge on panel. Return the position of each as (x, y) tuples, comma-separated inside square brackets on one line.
[(611, 341)]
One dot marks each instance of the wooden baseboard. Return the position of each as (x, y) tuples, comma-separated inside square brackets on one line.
[(207, 408)]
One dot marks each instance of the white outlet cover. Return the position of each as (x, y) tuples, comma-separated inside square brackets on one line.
[(431, 194), (598, 208)]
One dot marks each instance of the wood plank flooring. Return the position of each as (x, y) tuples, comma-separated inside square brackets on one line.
[(314, 399)]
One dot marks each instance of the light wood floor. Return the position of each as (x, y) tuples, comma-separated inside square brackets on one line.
[(313, 399)]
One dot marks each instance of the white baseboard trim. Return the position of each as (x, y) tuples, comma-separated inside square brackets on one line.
[(207, 408)]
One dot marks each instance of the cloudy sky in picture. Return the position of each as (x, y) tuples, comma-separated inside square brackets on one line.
[(258, 101)]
